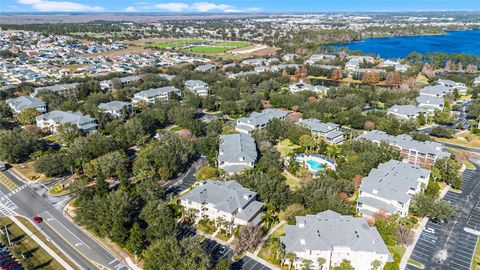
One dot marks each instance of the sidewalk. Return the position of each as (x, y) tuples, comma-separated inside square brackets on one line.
[(265, 238), (41, 243)]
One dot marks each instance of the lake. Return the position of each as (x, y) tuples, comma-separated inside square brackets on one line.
[(399, 47)]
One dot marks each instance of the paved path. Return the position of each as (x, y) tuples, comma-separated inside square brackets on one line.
[(41, 243), (265, 238)]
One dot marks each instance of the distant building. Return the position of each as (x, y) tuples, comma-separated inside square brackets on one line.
[(476, 81), (108, 84), (281, 67), (237, 152), (259, 120), (301, 86), (430, 103), (198, 87), (319, 57), (289, 57), (461, 87), (53, 119), (405, 112), (254, 62), (205, 68), (328, 131), (153, 94), (423, 154), (390, 187), (227, 200), (65, 90), (435, 91), (24, 102), (334, 238), (115, 108), (166, 76)]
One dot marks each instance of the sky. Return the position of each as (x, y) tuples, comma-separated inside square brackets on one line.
[(234, 6)]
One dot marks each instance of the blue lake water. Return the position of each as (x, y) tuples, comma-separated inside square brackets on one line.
[(467, 42)]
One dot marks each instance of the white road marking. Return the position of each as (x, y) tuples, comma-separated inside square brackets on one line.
[(67, 229)]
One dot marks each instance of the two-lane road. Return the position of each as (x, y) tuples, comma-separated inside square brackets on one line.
[(85, 251)]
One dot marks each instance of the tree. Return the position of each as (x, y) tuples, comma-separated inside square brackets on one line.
[(307, 142), (223, 264), (307, 264), (207, 173), (136, 240), (291, 212), (447, 170), (17, 145), (249, 237), (160, 220), (69, 132), (421, 120), (27, 116), (344, 265), (321, 262), (51, 164), (404, 235), (425, 206), (376, 264), (291, 257)]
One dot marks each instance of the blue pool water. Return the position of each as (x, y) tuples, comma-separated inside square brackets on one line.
[(467, 42), (316, 166)]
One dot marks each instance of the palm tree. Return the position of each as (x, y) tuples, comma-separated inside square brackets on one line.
[(307, 264), (376, 265), (321, 261), (291, 257)]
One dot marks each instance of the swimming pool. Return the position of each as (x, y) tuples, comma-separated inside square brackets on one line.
[(314, 165)]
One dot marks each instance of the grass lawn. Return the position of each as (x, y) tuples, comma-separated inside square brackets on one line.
[(207, 49), (422, 78), (476, 257), (206, 226), (39, 258), (28, 170), (268, 252), (232, 44), (292, 182), (286, 147), (466, 138), (52, 138), (418, 265), (223, 236)]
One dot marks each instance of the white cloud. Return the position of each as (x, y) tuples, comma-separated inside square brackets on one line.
[(130, 9), (232, 10), (173, 6), (59, 6), (206, 7)]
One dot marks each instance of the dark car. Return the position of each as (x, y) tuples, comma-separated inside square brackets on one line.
[(37, 219)]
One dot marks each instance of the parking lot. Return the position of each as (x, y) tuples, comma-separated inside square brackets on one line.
[(451, 245)]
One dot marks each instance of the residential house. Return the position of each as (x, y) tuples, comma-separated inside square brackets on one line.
[(319, 57), (254, 62), (166, 76), (21, 103), (205, 68), (224, 200), (115, 108), (108, 84), (405, 112), (197, 87), (301, 86), (423, 154), (390, 187), (430, 103), (289, 57), (259, 120), (53, 119), (435, 91), (237, 152), (461, 87), (65, 90), (153, 94), (330, 132), (334, 238)]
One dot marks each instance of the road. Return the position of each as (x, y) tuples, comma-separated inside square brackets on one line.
[(451, 245), (18, 198)]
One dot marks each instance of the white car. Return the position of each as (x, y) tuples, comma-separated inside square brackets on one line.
[(2, 166)]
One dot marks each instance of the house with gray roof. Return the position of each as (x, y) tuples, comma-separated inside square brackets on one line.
[(53, 119), (24, 102), (435, 91), (405, 112), (423, 154), (334, 238), (65, 90), (227, 200), (259, 120), (430, 103), (115, 108), (197, 87), (237, 152), (390, 188), (166, 76), (461, 87), (254, 61), (205, 68), (153, 94), (301, 86), (330, 132), (108, 84)]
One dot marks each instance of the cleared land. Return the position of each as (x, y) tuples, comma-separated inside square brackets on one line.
[(465, 138)]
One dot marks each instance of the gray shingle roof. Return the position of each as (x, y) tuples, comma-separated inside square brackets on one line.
[(55, 88), (429, 100), (61, 117), (316, 125), (437, 90), (227, 196), (237, 148), (113, 106), (262, 117), (24, 102), (392, 180), (195, 83), (205, 67), (327, 230), (153, 92), (406, 142), (407, 110)]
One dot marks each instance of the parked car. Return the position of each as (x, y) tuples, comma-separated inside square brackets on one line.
[(37, 219), (2, 166)]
